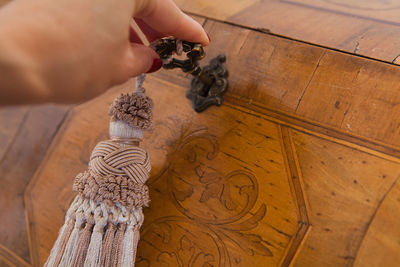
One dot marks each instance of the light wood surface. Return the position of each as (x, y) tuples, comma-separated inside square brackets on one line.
[(209, 186), (345, 189), (273, 177), (310, 86), (368, 28), (312, 189)]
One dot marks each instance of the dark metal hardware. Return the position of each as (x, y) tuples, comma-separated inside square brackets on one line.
[(208, 84)]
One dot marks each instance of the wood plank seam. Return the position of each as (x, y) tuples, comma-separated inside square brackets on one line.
[(205, 22), (316, 129), (267, 31), (11, 144), (299, 196), (11, 258), (396, 59), (362, 143), (365, 230)]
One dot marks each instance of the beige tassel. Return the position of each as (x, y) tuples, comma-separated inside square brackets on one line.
[(106, 250), (64, 234), (131, 238), (93, 253), (102, 226), (105, 258), (83, 242), (116, 253), (60, 244), (71, 246), (128, 243), (136, 236)]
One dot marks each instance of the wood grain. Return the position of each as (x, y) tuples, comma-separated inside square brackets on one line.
[(381, 10), (210, 175), (345, 188), (304, 188), (9, 258), (296, 179), (352, 26), (11, 120), (385, 246), (26, 135), (355, 100), (308, 83)]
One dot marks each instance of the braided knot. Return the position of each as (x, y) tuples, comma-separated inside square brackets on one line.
[(117, 174), (110, 158)]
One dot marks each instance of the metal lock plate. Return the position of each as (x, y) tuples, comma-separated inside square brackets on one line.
[(208, 84)]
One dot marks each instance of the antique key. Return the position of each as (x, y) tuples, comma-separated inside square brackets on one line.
[(208, 84)]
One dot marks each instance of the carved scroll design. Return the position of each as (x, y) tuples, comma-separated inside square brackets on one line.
[(215, 206)]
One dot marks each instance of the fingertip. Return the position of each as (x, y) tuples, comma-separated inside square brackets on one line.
[(206, 43), (165, 17), (205, 38), (199, 34)]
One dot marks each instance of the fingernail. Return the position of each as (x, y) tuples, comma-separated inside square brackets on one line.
[(209, 39), (157, 64)]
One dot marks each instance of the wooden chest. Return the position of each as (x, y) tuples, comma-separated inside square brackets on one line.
[(299, 166)]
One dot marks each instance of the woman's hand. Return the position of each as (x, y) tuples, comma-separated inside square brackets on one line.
[(68, 51)]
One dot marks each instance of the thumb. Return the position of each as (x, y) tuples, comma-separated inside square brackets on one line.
[(139, 59)]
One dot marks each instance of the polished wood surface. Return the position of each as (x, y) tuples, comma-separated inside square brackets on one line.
[(299, 166), (363, 27), (310, 86), (26, 134), (215, 197)]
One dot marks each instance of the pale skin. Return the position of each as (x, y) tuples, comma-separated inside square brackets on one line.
[(69, 51)]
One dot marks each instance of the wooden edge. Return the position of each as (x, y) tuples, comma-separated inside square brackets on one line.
[(267, 31), (308, 126), (11, 258), (296, 176), (299, 197), (31, 232), (361, 143), (200, 19)]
